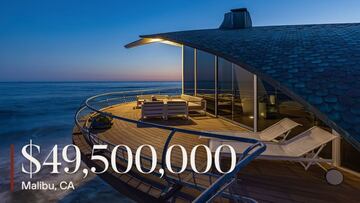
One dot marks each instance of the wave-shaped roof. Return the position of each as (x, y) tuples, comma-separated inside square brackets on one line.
[(318, 65)]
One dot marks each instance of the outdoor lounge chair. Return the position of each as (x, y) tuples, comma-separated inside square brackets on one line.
[(175, 108), (140, 99), (153, 109), (281, 129), (195, 103), (304, 148)]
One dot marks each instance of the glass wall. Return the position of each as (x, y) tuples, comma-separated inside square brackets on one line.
[(243, 83), (189, 70), (205, 78), (235, 93), (235, 99), (273, 105), (225, 89)]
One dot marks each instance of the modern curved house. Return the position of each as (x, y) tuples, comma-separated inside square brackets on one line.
[(289, 93)]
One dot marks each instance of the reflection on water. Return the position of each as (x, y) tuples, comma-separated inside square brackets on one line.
[(44, 113)]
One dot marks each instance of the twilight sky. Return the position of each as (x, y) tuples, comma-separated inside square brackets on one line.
[(71, 40)]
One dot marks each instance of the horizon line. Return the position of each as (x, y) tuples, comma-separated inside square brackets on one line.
[(77, 81)]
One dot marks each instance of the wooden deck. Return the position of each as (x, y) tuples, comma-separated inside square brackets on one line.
[(266, 181), (134, 135)]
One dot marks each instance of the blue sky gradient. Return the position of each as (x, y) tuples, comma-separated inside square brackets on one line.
[(83, 40)]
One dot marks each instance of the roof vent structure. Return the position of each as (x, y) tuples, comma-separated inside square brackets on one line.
[(236, 19)]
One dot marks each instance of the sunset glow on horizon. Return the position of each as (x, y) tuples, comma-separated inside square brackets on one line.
[(73, 41)]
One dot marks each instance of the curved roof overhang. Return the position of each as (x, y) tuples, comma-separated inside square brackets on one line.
[(144, 41), (166, 37)]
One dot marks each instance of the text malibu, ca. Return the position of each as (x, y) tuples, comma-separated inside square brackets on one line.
[(41, 185)]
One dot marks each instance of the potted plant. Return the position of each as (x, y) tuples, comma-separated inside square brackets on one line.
[(101, 122)]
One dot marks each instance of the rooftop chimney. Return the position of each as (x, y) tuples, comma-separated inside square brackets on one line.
[(236, 19)]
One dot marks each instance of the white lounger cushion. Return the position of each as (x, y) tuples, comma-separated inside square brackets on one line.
[(295, 147), (279, 128), (276, 130)]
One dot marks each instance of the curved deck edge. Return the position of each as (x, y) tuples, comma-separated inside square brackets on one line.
[(119, 185)]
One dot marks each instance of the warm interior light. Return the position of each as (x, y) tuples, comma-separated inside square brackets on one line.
[(151, 40), (155, 39)]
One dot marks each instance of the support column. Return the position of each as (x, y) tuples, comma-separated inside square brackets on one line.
[(183, 68), (336, 149), (195, 75), (232, 92), (255, 104), (216, 86)]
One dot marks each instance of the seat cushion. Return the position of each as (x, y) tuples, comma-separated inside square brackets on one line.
[(194, 106), (190, 98)]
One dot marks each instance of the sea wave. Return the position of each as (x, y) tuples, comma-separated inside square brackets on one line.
[(44, 113)]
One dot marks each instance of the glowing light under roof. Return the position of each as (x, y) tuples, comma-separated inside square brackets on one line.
[(144, 41)]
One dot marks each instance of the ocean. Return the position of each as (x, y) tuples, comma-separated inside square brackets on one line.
[(44, 112)]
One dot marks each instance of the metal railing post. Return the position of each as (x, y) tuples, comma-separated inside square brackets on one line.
[(166, 146)]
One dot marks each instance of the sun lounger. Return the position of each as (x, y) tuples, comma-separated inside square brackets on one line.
[(195, 103), (140, 99), (304, 148), (280, 129)]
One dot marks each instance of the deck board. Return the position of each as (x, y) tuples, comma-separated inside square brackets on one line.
[(266, 181), (132, 135)]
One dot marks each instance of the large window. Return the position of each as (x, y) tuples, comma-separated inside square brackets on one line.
[(235, 93), (188, 71), (273, 105), (225, 89), (243, 84), (205, 78), (235, 99)]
